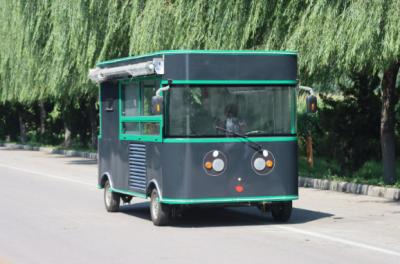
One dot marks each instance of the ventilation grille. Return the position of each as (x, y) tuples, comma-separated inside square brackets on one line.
[(137, 166)]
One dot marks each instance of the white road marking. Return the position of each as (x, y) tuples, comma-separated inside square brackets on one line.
[(339, 240), (46, 175), (286, 228)]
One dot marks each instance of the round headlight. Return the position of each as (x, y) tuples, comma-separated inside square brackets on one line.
[(259, 164), (263, 162), (214, 163), (218, 165)]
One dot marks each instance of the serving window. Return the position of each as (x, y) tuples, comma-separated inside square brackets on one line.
[(136, 120)]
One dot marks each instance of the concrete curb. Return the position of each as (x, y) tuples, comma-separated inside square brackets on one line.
[(68, 153), (350, 187)]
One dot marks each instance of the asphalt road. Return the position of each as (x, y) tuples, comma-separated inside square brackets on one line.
[(51, 212)]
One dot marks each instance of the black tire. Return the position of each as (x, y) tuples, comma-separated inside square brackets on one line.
[(111, 199), (281, 211), (160, 213)]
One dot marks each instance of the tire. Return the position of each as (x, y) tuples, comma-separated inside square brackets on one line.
[(160, 213), (281, 211), (111, 199)]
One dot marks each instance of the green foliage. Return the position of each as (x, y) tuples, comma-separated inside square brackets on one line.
[(337, 37), (351, 123), (48, 47), (369, 173), (323, 168)]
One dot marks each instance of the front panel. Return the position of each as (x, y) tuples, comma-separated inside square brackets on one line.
[(186, 178)]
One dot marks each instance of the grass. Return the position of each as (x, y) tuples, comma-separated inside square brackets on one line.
[(370, 173)]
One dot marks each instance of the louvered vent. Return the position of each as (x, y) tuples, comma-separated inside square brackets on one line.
[(137, 166)]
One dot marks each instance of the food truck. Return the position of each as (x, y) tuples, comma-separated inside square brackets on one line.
[(188, 128)]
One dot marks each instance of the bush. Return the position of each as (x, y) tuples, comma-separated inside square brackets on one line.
[(369, 173), (346, 127)]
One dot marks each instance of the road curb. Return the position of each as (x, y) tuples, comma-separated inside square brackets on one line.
[(350, 187), (68, 153)]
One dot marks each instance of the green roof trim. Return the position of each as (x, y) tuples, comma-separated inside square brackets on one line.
[(228, 139), (222, 52), (230, 199), (233, 82)]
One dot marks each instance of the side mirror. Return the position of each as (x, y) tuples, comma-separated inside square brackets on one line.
[(157, 103), (311, 102)]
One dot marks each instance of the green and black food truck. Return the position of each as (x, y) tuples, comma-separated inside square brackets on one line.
[(198, 128)]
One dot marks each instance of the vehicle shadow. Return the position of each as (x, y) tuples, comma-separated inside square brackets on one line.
[(137, 209), (199, 217)]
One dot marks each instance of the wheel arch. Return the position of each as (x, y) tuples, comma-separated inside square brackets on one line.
[(153, 185), (104, 178)]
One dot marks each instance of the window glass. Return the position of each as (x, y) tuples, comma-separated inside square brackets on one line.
[(149, 88), (132, 128), (209, 111), (151, 128), (136, 102), (141, 128), (130, 99)]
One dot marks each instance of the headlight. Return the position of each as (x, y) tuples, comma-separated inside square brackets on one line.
[(214, 163), (263, 162), (218, 165), (259, 164)]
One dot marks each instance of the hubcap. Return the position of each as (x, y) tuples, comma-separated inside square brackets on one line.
[(154, 207), (108, 196)]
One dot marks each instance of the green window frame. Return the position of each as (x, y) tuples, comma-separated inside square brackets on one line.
[(100, 132), (140, 119), (293, 114)]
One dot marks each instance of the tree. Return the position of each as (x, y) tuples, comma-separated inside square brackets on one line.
[(48, 46), (337, 37)]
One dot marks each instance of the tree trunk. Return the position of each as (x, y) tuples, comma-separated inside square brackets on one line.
[(22, 128), (43, 116), (67, 135), (388, 140), (309, 149), (93, 123)]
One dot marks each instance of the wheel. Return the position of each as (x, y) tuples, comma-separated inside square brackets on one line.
[(111, 199), (160, 213), (281, 211)]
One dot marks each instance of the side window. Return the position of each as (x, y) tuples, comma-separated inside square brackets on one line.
[(148, 88), (136, 120), (130, 94)]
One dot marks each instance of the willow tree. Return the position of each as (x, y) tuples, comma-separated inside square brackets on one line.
[(74, 44), (181, 24), (48, 46), (338, 37)]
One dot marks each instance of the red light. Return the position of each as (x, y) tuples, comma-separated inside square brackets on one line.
[(239, 188)]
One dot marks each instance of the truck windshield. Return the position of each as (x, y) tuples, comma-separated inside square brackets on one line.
[(221, 111)]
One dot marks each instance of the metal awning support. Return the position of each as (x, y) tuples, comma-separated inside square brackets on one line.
[(308, 89), (99, 75)]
